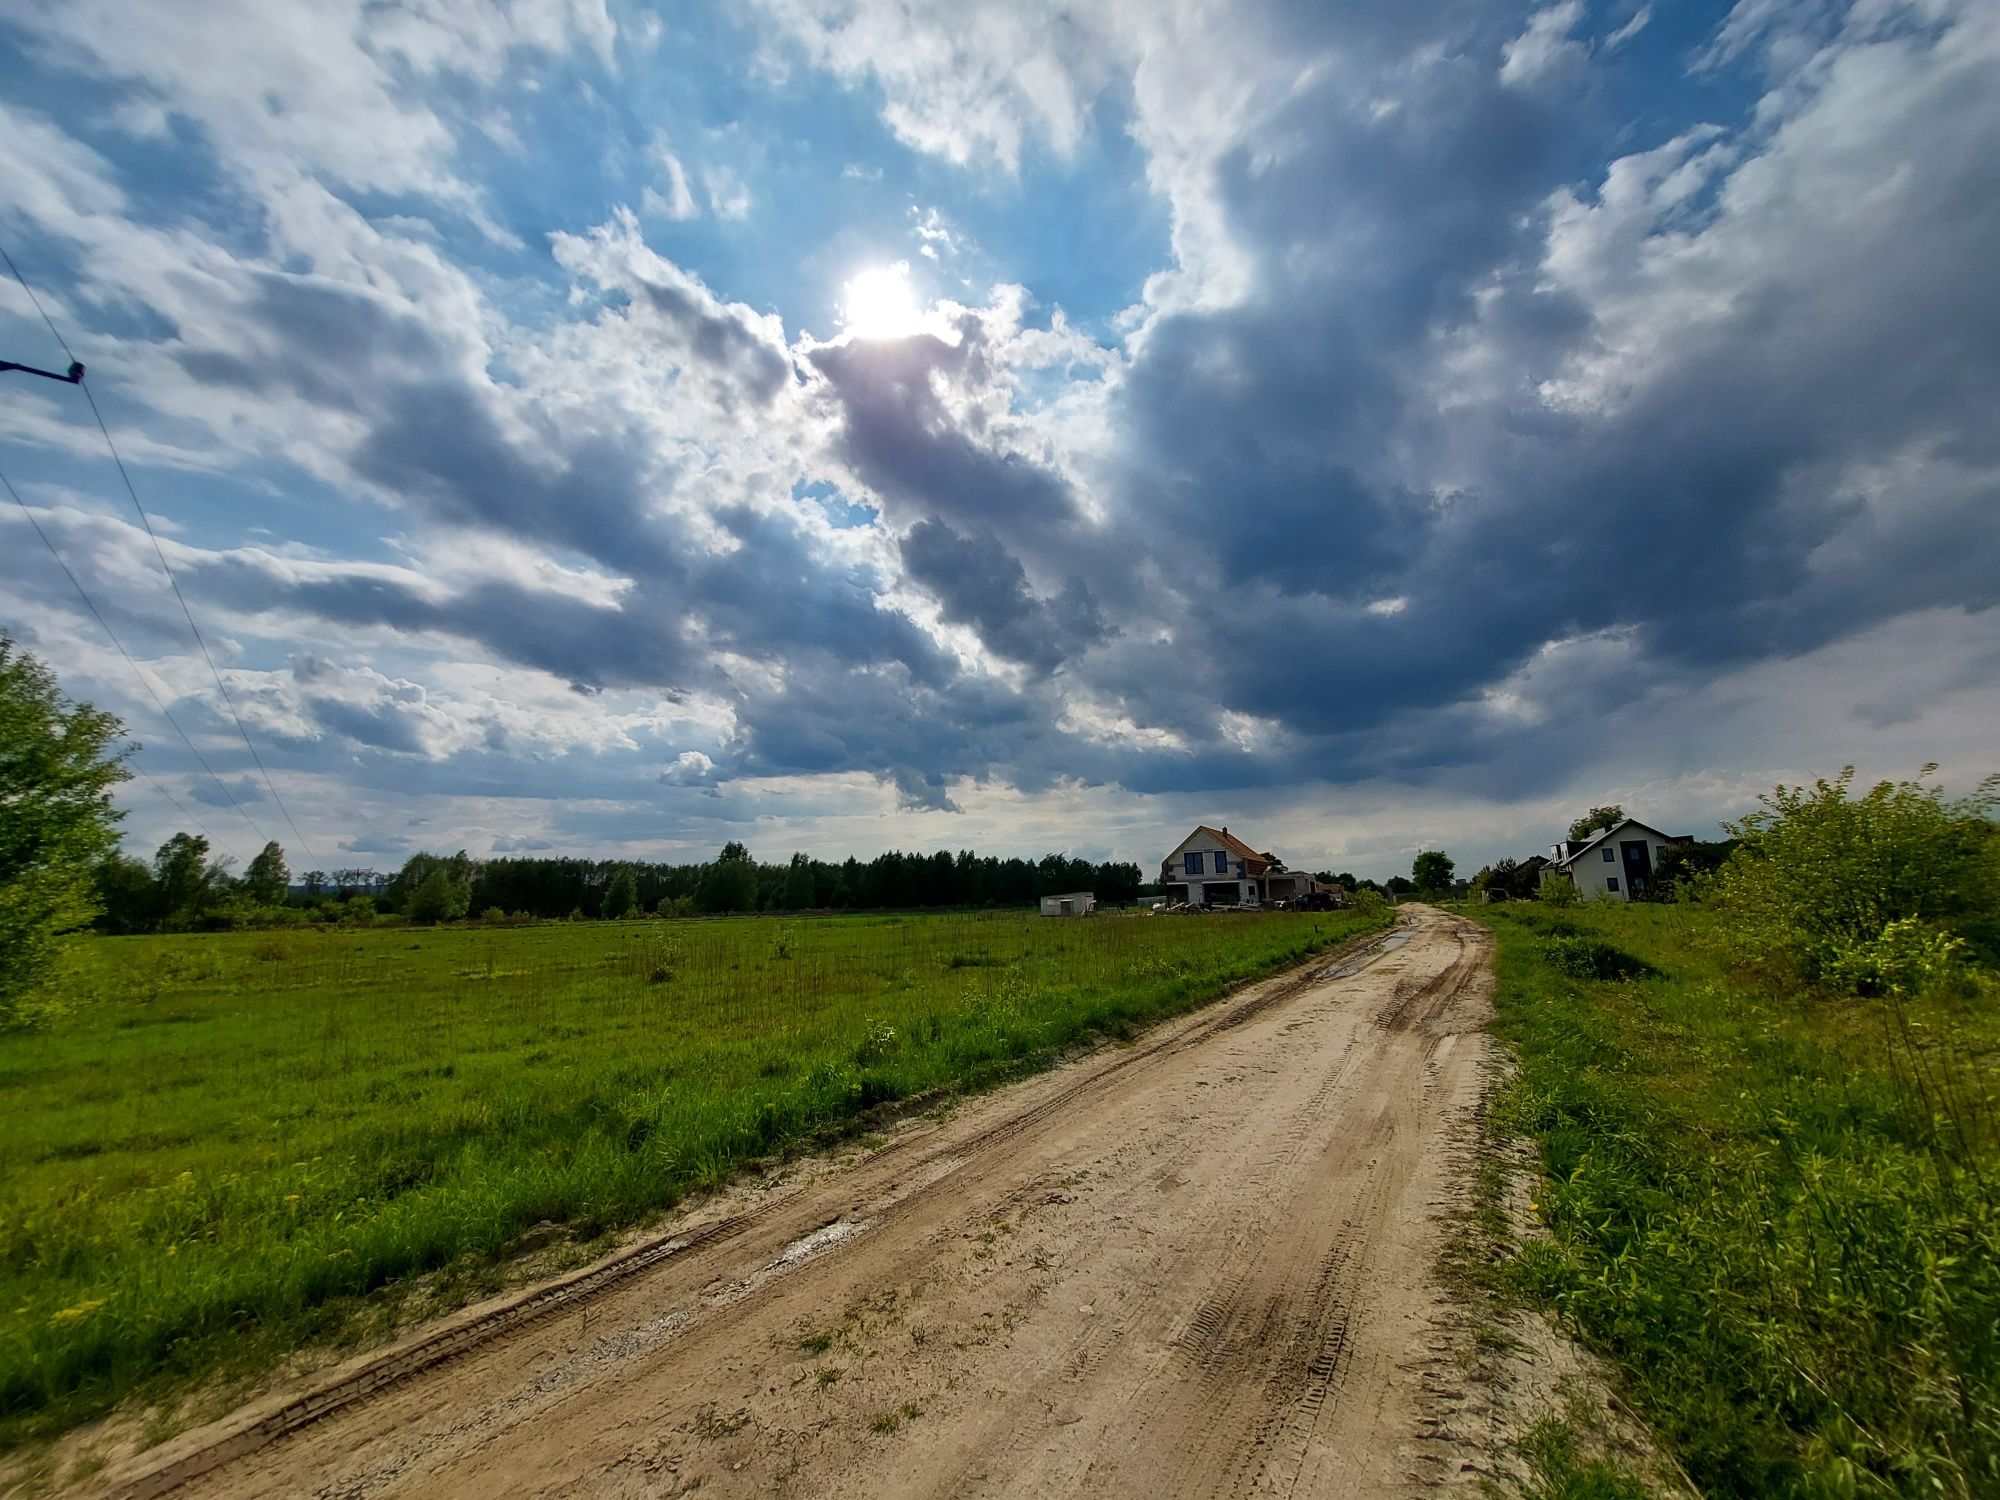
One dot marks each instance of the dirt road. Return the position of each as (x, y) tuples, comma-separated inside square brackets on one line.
[(1201, 1264)]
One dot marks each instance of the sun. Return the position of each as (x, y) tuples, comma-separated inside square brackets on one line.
[(879, 304)]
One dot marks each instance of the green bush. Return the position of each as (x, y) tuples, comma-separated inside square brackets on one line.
[(1584, 957), (1559, 893), (439, 899), (1818, 875)]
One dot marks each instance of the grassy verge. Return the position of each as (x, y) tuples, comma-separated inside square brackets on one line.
[(1775, 1212), (239, 1144)]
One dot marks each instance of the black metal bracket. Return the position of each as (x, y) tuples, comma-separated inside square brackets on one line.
[(74, 375)]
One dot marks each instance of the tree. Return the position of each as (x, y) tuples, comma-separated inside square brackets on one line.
[(186, 879), (458, 868), (266, 879), (799, 893), (730, 883), (1432, 872), (128, 900), (622, 895), (1596, 818), (439, 899), (57, 769)]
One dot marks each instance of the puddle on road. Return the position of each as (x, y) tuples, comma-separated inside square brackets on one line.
[(1372, 952)]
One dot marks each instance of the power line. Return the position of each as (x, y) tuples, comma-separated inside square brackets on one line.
[(165, 567), (137, 671), (37, 301)]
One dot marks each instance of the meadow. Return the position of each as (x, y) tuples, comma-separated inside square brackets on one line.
[(1775, 1208), (236, 1145)]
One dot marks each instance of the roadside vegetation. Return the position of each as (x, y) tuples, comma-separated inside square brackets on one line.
[(1767, 1117), (225, 1142)]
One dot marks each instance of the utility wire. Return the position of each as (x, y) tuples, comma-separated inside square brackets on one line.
[(137, 671), (175, 583), (165, 567), (136, 747), (37, 304)]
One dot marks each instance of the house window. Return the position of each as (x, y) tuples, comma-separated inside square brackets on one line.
[(1607, 860), (1191, 863), (1611, 882)]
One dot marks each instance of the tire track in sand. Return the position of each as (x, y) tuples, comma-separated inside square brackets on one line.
[(1199, 1265)]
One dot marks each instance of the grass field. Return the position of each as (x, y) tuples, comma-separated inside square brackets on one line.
[(1778, 1212), (234, 1140)]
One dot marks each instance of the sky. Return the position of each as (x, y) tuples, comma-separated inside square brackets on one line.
[(586, 428)]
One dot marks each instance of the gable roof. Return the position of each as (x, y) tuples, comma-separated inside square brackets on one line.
[(1572, 851), (1232, 843), (1252, 860)]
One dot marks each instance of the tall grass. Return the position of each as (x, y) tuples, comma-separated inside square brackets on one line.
[(237, 1142), (1774, 1208)]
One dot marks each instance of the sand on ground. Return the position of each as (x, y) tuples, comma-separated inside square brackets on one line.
[(1201, 1264)]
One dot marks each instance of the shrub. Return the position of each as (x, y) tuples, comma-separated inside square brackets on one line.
[(1581, 956), (1558, 892), (493, 914), (439, 899), (1819, 876)]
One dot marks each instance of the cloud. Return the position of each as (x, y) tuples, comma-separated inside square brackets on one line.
[(1546, 52), (237, 793), (1464, 406), (675, 200), (728, 197), (980, 584)]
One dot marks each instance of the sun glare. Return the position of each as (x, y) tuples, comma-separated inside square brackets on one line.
[(879, 304)]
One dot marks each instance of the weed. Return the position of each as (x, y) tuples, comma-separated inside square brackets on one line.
[(1559, 1470), (1774, 1209)]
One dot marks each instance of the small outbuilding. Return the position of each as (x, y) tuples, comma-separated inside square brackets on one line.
[(1075, 904)]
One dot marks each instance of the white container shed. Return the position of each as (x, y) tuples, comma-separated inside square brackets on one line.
[(1075, 904)]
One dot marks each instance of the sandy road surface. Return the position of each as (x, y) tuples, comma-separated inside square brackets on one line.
[(1197, 1265)]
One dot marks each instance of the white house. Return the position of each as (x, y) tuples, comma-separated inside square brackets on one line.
[(1075, 904), (1212, 867), (1616, 863)]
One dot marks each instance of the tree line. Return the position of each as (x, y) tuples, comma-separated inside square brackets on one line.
[(185, 887)]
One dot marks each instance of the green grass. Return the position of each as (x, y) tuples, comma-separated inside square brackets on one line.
[(1775, 1211), (1560, 1467), (239, 1144)]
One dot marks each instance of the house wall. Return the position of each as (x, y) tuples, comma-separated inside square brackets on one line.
[(1081, 903), (1209, 847), (1591, 871)]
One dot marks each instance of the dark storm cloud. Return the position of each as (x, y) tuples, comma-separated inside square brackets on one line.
[(733, 356), (774, 592), (1298, 445), (979, 583), (902, 439)]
